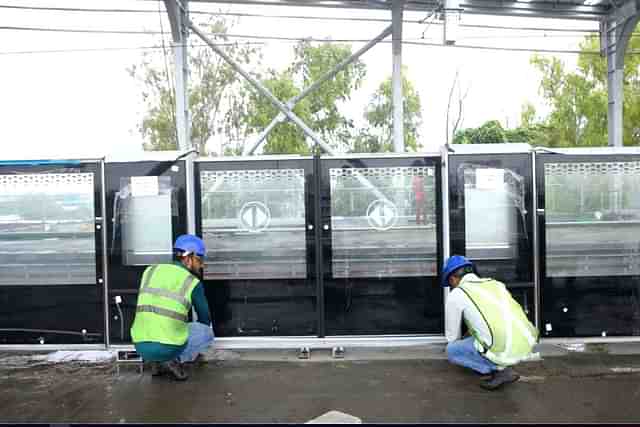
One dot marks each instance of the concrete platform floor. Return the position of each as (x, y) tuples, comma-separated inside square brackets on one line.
[(585, 387)]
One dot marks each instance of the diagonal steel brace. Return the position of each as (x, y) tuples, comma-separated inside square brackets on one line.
[(278, 104), (263, 90), (328, 75)]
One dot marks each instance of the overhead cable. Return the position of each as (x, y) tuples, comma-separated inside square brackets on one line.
[(154, 32), (108, 49), (298, 17)]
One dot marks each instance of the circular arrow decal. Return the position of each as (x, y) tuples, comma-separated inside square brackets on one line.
[(382, 214), (254, 216)]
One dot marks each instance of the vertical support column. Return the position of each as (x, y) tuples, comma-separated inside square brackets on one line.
[(398, 113), (182, 77), (105, 256), (615, 92), (451, 17), (190, 177), (536, 242), (444, 193), (319, 263), (615, 32)]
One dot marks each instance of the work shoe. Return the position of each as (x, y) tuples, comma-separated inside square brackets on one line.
[(198, 361), (156, 369), (175, 370), (500, 378)]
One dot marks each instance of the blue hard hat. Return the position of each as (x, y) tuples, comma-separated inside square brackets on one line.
[(453, 263), (191, 244)]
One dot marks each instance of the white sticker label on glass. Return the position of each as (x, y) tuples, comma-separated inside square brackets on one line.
[(144, 186), (548, 327), (489, 179)]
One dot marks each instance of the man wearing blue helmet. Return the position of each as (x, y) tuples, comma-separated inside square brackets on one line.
[(161, 332), (501, 334)]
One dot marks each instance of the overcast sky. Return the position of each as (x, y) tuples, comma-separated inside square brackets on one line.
[(77, 100)]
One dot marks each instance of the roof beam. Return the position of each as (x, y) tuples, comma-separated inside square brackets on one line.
[(571, 9)]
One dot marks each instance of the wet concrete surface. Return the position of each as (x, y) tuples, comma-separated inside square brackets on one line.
[(585, 388)]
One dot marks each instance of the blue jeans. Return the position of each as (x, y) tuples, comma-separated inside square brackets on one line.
[(463, 353), (200, 338)]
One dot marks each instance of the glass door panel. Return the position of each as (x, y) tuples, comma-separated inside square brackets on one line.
[(591, 245), (147, 211), (254, 218), (51, 280), (490, 202), (380, 230)]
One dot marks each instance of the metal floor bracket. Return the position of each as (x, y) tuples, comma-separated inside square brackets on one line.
[(304, 353), (337, 352), (129, 357)]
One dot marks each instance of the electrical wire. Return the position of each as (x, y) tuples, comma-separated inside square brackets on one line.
[(108, 49), (248, 36), (295, 17), (295, 40), (73, 30)]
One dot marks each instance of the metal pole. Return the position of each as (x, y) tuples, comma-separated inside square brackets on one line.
[(190, 191), (444, 193), (615, 33), (398, 113), (279, 118), (329, 75), (615, 94), (317, 209), (182, 75), (536, 242), (105, 254)]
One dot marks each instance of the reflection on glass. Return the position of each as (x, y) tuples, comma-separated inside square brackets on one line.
[(143, 209), (494, 204), (47, 229), (592, 215), (254, 223), (383, 222)]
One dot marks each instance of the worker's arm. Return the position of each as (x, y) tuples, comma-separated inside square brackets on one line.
[(200, 304), (453, 316)]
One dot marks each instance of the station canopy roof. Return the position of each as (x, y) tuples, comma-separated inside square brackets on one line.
[(567, 9)]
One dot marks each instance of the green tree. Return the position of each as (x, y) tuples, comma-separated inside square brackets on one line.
[(579, 99), (491, 132), (379, 116), (217, 100), (286, 137), (319, 110)]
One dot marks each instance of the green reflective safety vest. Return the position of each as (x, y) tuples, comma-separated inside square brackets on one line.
[(163, 305), (513, 336)]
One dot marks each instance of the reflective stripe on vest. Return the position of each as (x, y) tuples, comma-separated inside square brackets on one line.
[(495, 303), (180, 296), (163, 306), (161, 312)]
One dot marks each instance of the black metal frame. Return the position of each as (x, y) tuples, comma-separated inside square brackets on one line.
[(305, 163), (72, 290), (541, 160), (124, 280), (369, 161), (457, 210)]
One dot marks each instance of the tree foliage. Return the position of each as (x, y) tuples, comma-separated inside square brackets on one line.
[(378, 137), (216, 97), (492, 132), (319, 110), (579, 99)]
